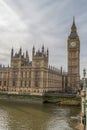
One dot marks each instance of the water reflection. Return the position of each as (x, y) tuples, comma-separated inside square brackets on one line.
[(14, 116), (3, 119)]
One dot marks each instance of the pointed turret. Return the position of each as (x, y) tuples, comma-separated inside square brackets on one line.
[(33, 51), (12, 52), (43, 49), (27, 56), (73, 25), (73, 33), (20, 51), (61, 69), (47, 54)]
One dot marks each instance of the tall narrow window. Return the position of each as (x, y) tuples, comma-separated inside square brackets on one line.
[(14, 83), (0, 83), (4, 83), (21, 83), (0, 74), (30, 74), (37, 78), (25, 83), (29, 83)]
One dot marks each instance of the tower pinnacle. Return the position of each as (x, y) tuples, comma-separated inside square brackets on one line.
[(12, 52), (73, 25), (73, 33)]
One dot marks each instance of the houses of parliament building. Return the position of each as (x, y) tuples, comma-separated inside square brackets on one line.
[(36, 77)]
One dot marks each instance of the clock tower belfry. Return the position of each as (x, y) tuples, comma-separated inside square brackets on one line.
[(73, 45)]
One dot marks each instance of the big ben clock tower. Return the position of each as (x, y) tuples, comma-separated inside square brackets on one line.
[(73, 60)]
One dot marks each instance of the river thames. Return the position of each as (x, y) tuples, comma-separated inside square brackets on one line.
[(19, 116)]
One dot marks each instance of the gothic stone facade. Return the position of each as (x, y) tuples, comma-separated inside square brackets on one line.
[(37, 77), (34, 77)]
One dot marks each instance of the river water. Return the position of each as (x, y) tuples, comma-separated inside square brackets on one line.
[(19, 116)]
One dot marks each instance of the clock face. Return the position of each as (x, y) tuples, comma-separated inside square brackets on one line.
[(73, 44)]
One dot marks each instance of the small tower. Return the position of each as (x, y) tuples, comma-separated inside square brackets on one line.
[(61, 70), (43, 49), (12, 52), (20, 51), (27, 56), (47, 53), (33, 51), (39, 67)]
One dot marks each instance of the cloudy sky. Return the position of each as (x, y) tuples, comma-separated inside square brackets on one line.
[(24, 23)]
